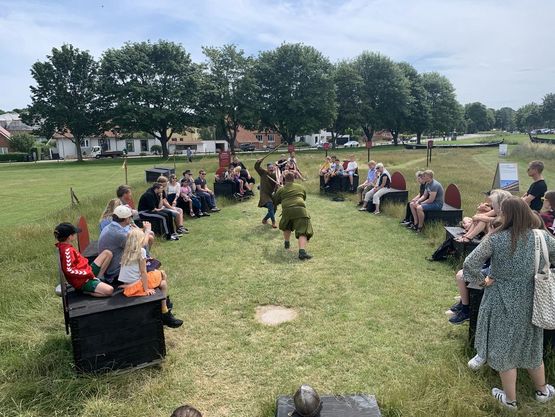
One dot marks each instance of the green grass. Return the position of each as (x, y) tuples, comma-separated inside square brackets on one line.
[(371, 308)]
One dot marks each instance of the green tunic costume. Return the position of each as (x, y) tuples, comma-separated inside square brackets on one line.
[(294, 215), (505, 335), (267, 186)]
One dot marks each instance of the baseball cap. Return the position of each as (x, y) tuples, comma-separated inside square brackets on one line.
[(65, 230), (123, 212)]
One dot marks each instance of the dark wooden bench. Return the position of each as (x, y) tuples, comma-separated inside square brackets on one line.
[(223, 188), (113, 333), (451, 213), (88, 248), (461, 248)]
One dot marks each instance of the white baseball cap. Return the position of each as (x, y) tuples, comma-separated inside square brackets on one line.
[(123, 212)]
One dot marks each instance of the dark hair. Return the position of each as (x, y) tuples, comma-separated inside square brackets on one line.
[(518, 217), (289, 176), (537, 165), (118, 219), (157, 185), (539, 220), (122, 190), (550, 196), (186, 411)]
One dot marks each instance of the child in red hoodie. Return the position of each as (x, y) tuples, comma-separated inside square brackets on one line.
[(76, 268)]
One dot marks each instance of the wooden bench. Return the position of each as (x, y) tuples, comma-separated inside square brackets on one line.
[(113, 333), (88, 248), (451, 213), (223, 188), (461, 248)]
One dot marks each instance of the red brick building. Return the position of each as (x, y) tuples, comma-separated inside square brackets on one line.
[(261, 140), (4, 140)]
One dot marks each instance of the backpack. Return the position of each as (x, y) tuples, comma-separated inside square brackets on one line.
[(443, 251)]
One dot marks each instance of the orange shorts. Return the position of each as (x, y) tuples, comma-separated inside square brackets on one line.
[(154, 278)]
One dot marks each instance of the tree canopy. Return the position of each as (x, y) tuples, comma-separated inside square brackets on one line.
[(150, 87), (385, 92), (296, 90), (65, 97), (230, 91), (445, 110)]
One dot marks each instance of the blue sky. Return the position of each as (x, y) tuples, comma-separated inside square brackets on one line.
[(493, 51)]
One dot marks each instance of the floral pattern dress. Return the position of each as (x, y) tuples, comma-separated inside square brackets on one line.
[(505, 335)]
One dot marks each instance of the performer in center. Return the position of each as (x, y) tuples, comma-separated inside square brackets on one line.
[(268, 184), (294, 215)]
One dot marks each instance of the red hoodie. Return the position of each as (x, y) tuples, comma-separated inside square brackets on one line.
[(76, 268)]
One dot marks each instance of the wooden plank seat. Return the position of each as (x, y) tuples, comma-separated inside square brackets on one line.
[(451, 213), (113, 333), (462, 249)]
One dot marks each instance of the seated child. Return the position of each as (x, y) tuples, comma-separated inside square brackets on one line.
[(325, 167), (137, 281), (476, 225), (186, 411), (77, 271), (351, 171)]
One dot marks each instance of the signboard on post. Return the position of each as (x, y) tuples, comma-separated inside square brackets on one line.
[(503, 149), (326, 146), (291, 148), (224, 159), (430, 144), (506, 177)]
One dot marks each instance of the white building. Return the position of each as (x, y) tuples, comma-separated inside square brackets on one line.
[(64, 148), (315, 139)]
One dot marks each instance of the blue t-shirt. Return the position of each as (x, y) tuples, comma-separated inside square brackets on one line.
[(371, 175), (113, 238)]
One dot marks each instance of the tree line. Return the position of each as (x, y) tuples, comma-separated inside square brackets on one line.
[(292, 90)]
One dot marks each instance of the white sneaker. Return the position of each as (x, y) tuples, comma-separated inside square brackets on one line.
[(544, 397), (500, 396), (476, 362)]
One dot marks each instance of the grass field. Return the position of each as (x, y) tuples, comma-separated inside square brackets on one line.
[(371, 309)]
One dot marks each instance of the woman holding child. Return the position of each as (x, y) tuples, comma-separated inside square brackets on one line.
[(505, 337)]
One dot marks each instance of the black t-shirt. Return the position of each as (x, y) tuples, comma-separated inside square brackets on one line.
[(384, 181), (537, 189), (422, 189), (200, 181)]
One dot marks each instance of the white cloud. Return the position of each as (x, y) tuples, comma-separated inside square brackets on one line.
[(493, 51)]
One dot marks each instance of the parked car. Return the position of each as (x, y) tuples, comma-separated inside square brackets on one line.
[(351, 144), (247, 147)]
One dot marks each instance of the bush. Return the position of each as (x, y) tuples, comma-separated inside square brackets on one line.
[(540, 151), (13, 157), (156, 149), (301, 145), (22, 142)]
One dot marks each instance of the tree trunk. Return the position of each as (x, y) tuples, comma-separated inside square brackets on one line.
[(395, 134), (369, 132), (77, 143), (164, 142), (418, 137)]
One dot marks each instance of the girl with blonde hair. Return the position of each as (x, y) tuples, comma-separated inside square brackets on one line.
[(137, 281), (106, 217)]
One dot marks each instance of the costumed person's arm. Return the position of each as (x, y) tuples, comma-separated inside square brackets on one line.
[(261, 171)]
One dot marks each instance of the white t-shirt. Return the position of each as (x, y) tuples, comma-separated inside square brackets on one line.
[(352, 166), (128, 274), (173, 189)]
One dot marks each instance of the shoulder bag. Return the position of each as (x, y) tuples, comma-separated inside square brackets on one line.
[(543, 313)]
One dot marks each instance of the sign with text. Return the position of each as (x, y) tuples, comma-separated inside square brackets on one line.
[(506, 177), (224, 158), (291, 148), (503, 149), (369, 144), (430, 144), (326, 146)]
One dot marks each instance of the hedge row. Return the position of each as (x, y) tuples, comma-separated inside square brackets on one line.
[(13, 157)]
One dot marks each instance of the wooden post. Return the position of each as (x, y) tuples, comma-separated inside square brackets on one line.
[(125, 168)]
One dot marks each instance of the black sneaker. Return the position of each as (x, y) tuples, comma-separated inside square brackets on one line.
[(304, 256), (182, 230), (169, 320), (405, 222), (206, 214), (460, 317), (409, 225), (455, 308), (169, 304), (173, 236), (286, 244)]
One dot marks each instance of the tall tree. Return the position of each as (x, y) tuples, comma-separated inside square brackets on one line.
[(529, 117), (348, 85), (445, 110), (151, 87), (65, 97), (477, 118), (229, 96), (417, 117), (22, 142), (505, 119), (296, 91), (385, 92), (548, 110)]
